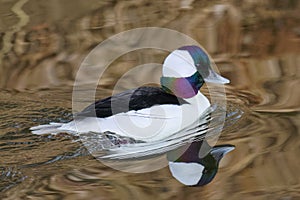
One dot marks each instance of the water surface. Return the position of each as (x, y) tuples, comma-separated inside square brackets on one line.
[(254, 44)]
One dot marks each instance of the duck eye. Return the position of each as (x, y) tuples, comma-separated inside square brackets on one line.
[(205, 171)]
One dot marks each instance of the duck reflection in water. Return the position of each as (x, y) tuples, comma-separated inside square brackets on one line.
[(196, 164)]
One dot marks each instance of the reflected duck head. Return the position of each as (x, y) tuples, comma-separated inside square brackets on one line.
[(192, 169)]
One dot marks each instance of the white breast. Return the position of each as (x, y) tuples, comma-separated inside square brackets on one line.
[(150, 124)]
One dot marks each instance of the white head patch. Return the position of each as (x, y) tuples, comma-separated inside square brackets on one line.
[(186, 173), (179, 64)]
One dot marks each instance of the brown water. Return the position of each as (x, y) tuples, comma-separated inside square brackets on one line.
[(256, 44)]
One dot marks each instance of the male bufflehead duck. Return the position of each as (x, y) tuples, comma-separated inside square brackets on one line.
[(150, 113), (197, 163)]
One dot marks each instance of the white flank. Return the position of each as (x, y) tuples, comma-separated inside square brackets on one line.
[(150, 124)]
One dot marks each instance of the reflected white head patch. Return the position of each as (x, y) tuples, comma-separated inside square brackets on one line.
[(186, 173)]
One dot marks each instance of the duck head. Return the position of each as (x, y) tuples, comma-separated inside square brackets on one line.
[(192, 170), (186, 69)]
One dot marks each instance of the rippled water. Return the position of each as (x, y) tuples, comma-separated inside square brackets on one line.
[(255, 44)]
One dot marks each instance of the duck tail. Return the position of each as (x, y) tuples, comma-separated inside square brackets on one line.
[(51, 128)]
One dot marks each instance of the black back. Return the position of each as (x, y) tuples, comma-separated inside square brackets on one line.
[(136, 99)]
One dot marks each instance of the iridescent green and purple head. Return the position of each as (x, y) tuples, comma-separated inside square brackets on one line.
[(186, 69)]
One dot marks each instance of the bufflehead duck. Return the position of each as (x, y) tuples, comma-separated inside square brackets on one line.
[(150, 113), (197, 163)]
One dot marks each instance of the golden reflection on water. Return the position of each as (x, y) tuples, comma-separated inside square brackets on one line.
[(254, 43)]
